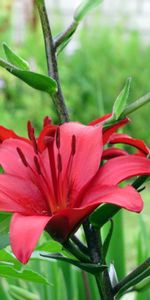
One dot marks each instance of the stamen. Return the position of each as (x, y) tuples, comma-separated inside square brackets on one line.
[(37, 165), (30, 130), (22, 157), (50, 147), (68, 179), (32, 136), (73, 145), (47, 121), (59, 163), (58, 138), (48, 140)]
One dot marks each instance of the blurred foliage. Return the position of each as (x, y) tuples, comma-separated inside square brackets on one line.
[(92, 75)]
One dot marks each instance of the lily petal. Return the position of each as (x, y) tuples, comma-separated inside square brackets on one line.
[(87, 155), (68, 220), (126, 139), (113, 152), (126, 197), (10, 160), (19, 195), (109, 131), (120, 168), (7, 133), (100, 120), (25, 232)]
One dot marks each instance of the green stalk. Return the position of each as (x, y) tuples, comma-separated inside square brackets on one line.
[(94, 244), (117, 257), (50, 50)]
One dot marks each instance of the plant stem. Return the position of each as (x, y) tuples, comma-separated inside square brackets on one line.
[(64, 36), (57, 98), (137, 104), (80, 245), (141, 268), (68, 245), (86, 286), (96, 253), (128, 110)]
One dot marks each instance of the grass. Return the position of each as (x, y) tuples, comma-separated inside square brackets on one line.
[(132, 229)]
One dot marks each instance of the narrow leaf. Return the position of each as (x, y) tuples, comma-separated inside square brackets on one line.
[(88, 267), (8, 257), (103, 214), (4, 229), (133, 282), (84, 8), (29, 275), (121, 100), (15, 59), (50, 246), (35, 80), (17, 292), (108, 239)]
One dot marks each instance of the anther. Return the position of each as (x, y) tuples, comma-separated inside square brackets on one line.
[(48, 140), (47, 121), (73, 145), (37, 165), (59, 163), (58, 138), (30, 130), (32, 136), (22, 157)]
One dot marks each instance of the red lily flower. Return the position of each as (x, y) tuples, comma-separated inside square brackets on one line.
[(54, 182), (119, 138)]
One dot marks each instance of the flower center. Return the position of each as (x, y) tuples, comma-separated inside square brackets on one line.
[(57, 194)]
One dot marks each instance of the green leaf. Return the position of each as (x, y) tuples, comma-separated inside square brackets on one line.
[(19, 293), (4, 229), (121, 100), (35, 80), (108, 239), (143, 285), (29, 275), (51, 246), (103, 214), (1, 170), (133, 282), (8, 257), (84, 8), (14, 59), (88, 267)]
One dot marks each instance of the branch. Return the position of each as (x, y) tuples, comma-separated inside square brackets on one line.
[(58, 98), (64, 36), (135, 273)]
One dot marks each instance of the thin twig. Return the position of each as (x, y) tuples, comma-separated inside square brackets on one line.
[(96, 253), (86, 286), (57, 98), (141, 268), (81, 246), (137, 104), (62, 37)]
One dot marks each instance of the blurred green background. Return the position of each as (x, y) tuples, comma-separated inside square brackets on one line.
[(93, 70)]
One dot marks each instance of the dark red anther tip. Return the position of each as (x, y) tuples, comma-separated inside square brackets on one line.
[(58, 138), (22, 157), (59, 163), (48, 140), (47, 121), (73, 145), (30, 130), (37, 165)]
